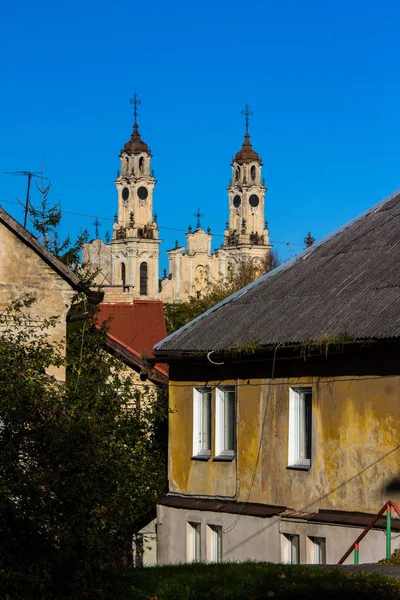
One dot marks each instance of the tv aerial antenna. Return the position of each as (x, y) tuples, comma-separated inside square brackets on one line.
[(29, 175)]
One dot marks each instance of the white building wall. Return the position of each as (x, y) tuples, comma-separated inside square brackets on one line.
[(262, 539)]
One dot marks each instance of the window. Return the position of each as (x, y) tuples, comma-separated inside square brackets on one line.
[(193, 542), (143, 279), (214, 543), (202, 422), (290, 549), (316, 550), (225, 422), (123, 274), (300, 403)]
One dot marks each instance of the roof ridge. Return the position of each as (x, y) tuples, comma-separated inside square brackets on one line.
[(304, 253), (65, 272)]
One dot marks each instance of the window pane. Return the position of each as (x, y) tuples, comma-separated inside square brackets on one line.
[(218, 536), (294, 550), (229, 419), (197, 542), (307, 424), (205, 421)]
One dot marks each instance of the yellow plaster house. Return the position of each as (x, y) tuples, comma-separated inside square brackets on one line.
[(286, 416)]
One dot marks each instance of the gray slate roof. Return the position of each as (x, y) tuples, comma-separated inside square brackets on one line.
[(348, 284)]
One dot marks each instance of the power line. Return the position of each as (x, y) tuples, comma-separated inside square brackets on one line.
[(90, 216)]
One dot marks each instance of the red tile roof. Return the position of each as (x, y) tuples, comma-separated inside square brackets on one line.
[(138, 325)]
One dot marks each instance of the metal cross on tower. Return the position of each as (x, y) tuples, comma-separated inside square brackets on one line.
[(247, 113), (97, 224), (135, 101), (198, 216)]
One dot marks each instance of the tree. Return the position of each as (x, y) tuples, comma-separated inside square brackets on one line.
[(45, 221), (81, 462), (309, 239), (177, 314)]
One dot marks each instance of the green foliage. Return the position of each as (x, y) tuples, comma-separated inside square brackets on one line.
[(309, 240), (81, 463), (45, 221), (257, 581), (177, 314)]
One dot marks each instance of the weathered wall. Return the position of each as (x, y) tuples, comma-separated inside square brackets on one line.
[(355, 444), (247, 538), (98, 255), (254, 538), (24, 274), (338, 541)]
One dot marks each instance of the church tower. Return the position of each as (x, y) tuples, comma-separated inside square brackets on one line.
[(246, 236), (135, 243)]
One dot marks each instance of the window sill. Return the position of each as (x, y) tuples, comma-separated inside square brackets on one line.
[(202, 457), (224, 458), (299, 467)]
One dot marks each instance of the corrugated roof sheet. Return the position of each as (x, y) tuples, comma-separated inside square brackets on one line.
[(138, 325), (346, 285)]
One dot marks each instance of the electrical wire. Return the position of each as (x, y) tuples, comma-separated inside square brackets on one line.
[(253, 477), (89, 216)]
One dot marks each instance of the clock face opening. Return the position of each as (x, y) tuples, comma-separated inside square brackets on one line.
[(254, 200), (142, 193), (125, 193), (237, 201)]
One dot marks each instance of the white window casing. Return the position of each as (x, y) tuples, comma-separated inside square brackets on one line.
[(225, 422), (300, 406), (290, 549), (193, 542), (214, 543), (202, 422), (316, 550)]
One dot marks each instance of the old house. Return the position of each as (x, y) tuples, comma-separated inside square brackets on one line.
[(286, 416), (29, 271)]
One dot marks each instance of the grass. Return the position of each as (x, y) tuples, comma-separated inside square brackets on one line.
[(253, 581)]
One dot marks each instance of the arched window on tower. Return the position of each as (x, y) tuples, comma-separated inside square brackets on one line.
[(143, 279), (237, 174), (126, 169), (141, 164), (123, 274), (253, 173)]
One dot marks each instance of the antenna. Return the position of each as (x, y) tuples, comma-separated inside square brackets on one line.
[(29, 175)]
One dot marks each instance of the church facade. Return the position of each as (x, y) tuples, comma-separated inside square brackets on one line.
[(128, 267)]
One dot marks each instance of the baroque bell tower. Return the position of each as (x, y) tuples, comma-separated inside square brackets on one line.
[(246, 236), (135, 243)]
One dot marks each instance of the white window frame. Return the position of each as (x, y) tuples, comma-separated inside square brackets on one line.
[(300, 426), (214, 543), (193, 541), (290, 549), (221, 396), (199, 441), (316, 550)]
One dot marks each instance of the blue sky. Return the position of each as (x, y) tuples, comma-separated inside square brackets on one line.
[(321, 77)]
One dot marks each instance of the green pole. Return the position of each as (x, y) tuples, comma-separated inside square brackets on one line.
[(388, 531), (356, 556)]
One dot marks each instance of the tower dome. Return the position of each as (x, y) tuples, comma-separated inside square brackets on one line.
[(135, 145), (246, 154)]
